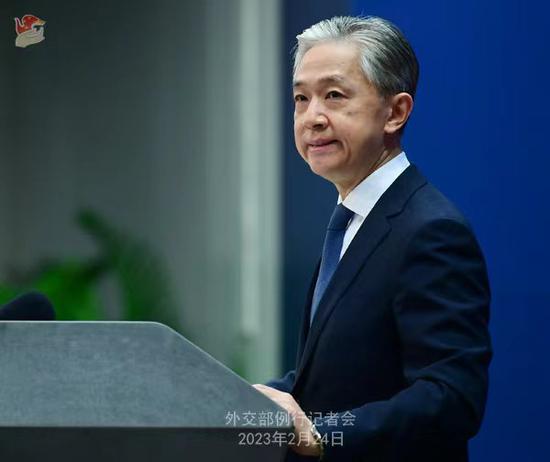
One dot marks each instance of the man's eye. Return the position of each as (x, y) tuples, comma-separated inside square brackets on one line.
[(299, 98), (334, 94)]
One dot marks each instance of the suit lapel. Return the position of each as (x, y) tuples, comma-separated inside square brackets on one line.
[(371, 234), (348, 267), (306, 315)]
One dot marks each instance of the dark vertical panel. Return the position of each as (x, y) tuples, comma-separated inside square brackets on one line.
[(308, 199)]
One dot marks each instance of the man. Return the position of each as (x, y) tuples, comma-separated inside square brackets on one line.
[(394, 347)]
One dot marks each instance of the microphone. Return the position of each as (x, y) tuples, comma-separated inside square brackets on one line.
[(32, 306)]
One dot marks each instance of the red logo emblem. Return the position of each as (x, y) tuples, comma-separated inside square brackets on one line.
[(30, 30)]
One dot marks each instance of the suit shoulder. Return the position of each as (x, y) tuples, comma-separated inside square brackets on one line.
[(427, 204)]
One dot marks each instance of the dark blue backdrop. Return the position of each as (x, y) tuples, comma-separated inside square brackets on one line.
[(479, 133)]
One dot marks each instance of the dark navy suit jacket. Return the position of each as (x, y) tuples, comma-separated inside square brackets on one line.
[(400, 340)]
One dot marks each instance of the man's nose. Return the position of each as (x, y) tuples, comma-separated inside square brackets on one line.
[(315, 117)]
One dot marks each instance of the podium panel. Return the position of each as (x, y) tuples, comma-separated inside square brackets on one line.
[(135, 391)]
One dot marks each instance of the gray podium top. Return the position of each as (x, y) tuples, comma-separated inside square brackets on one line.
[(137, 390)]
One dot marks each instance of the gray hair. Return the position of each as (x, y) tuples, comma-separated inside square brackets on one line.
[(386, 57)]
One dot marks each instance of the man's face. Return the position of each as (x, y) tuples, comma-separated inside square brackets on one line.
[(339, 117)]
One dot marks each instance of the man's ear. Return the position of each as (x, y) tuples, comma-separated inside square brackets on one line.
[(401, 106)]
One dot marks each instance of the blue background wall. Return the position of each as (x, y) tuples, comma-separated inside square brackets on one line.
[(479, 133)]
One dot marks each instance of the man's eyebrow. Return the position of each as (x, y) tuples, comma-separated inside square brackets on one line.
[(321, 80)]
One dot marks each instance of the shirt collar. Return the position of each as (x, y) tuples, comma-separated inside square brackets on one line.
[(362, 199)]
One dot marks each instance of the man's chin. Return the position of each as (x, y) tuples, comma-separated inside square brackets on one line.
[(323, 170)]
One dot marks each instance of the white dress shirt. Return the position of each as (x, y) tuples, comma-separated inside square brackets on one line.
[(362, 199)]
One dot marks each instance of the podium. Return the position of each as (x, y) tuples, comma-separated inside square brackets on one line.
[(126, 391)]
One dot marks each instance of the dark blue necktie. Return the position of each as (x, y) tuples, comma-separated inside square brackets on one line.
[(331, 252)]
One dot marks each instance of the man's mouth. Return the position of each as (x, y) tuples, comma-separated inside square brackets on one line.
[(322, 145)]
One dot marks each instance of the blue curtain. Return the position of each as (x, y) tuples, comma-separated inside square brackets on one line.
[(479, 133)]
